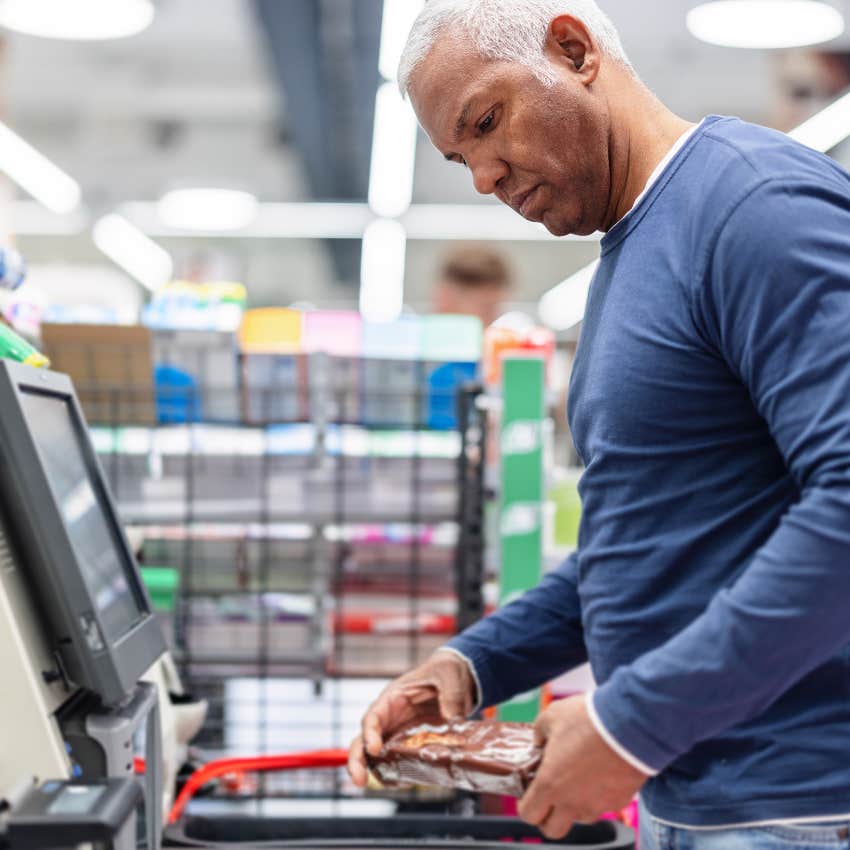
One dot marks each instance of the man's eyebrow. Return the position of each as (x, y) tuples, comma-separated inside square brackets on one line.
[(461, 122)]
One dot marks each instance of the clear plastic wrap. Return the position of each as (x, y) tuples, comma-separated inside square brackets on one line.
[(484, 756)]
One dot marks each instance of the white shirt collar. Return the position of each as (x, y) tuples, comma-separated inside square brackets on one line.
[(662, 167)]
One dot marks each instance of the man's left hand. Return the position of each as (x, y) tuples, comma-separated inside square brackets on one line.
[(580, 776)]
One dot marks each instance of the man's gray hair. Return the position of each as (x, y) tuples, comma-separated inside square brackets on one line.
[(512, 30)]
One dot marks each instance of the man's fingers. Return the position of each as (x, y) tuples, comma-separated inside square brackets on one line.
[(372, 733), (357, 762), (452, 702), (375, 721), (540, 797), (558, 823), (435, 685), (392, 709), (541, 729)]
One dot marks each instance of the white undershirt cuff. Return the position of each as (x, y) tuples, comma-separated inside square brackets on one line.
[(613, 743)]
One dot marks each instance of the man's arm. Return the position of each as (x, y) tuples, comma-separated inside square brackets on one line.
[(528, 641), (775, 301)]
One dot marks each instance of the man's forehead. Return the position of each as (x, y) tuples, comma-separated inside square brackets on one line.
[(443, 87)]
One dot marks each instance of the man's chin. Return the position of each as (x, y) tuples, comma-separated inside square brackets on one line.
[(557, 227)]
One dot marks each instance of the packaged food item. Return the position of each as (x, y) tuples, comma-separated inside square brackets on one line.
[(485, 756), (13, 269), (13, 347)]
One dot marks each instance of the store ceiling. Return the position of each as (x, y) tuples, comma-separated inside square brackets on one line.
[(275, 97)]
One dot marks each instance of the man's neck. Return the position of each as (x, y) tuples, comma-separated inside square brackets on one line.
[(645, 132)]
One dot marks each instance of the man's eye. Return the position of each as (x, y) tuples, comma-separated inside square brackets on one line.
[(485, 125)]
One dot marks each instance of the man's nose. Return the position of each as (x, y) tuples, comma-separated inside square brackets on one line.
[(487, 174)]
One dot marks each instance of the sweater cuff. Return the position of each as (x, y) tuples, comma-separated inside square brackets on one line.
[(473, 672), (476, 660), (613, 743)]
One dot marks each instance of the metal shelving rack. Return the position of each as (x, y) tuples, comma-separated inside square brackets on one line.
[(337, 494)]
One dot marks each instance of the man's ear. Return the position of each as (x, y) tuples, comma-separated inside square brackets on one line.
[(569, 42)]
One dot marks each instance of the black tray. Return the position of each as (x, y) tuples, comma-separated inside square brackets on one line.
[(402, 831)]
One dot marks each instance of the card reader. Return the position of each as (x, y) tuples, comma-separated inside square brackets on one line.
[(63, 813)]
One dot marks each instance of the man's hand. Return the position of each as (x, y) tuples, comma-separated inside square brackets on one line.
[(442, 685), (580, 776)]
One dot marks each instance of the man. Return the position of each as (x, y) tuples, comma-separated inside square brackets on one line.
[(710, 403), (473, 280)]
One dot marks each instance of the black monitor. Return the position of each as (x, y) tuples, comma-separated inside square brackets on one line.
[(69, 540)]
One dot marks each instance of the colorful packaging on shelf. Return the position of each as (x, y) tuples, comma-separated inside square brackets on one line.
[(13, 347), (485, 756), (13, 269)]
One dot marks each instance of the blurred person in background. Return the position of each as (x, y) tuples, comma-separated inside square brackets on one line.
[(710, 405), (807, 81), (473, 280)]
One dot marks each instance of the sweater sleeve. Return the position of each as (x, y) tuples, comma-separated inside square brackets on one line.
[(528, 641), (775, 303)]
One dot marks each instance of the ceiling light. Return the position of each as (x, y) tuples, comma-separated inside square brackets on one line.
[(30, 218), (306, 220), (562, 307), (397, 19), (382, 271), (128, 247), (36, 174), (80, 20), (393, 153), (827, 128), (207, 209), (765, 23)]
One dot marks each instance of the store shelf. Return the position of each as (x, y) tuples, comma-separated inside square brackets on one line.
[(140, 513)]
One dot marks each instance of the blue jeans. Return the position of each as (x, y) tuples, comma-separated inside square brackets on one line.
[(659, 836)]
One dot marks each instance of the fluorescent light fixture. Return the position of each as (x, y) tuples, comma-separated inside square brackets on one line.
[(765, 23), (36, 174), (133, 251), (397, 19), (562, 307), (80, 20), (30, 218), (393, 153), (827, 128), (207, 209), (273, 221), (382, 271)]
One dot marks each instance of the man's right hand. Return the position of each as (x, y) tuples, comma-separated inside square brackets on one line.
[(443, 685)]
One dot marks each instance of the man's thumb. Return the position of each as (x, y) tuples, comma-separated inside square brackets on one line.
[(451, 704), (541, 730)]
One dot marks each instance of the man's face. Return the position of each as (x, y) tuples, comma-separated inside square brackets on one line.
[(484, 301), (542, 150)]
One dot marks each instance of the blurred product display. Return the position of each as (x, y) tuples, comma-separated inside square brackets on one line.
[(14, 347), (13, 269)]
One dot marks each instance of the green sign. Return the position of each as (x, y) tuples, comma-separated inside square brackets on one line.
[(521, 508)]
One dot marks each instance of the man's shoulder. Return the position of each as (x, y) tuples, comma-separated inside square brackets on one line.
[(733, 156), (736, 165)]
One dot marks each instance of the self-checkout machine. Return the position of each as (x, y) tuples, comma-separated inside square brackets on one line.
[(77, 634)]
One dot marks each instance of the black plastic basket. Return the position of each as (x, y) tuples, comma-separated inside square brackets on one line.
[(443, 831)]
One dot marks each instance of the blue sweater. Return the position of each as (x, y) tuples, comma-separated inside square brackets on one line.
[(710, 404)]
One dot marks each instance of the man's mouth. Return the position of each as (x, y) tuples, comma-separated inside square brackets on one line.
[(523, 202)]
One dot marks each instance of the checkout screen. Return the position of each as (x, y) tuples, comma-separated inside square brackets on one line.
[(101, 559)]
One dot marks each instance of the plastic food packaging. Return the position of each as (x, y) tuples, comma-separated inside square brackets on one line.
[(485, 756), (13, 269), (13, 347)]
